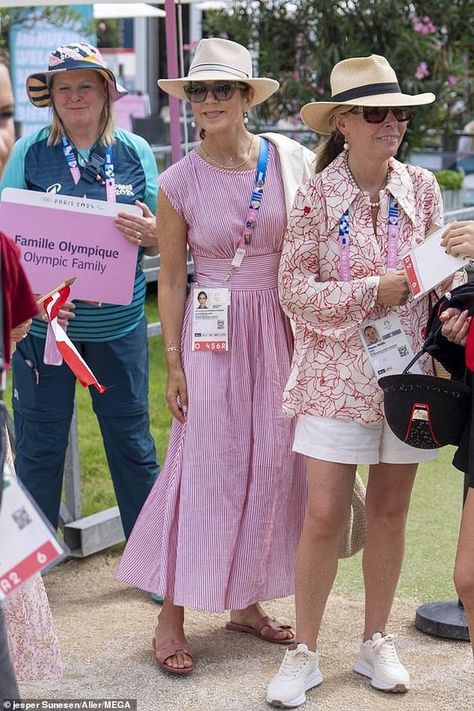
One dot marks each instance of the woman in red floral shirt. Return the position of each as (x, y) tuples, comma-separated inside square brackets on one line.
[(340, 272)]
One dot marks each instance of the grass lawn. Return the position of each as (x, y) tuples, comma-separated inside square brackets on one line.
[(432, 532), (96, 483), (433, 520)]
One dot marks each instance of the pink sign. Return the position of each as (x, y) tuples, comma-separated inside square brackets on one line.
[(62, 237), (132, 105)]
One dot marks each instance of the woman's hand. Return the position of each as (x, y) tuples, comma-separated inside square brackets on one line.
[(458, 240), (455, 325), (177, 393), (138, 230), (65, 313), (20, 331), (393, 289)]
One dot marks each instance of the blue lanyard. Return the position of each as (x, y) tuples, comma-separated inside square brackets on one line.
[(71, 159), (344, 240), (257, 192), (255, 202)]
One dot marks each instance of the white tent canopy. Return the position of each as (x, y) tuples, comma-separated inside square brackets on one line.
[(30, 3), (103, 10)]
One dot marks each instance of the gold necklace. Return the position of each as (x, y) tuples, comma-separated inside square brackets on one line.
[(222, 165)]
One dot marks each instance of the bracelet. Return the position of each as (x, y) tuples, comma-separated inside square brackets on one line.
[(173, 349)]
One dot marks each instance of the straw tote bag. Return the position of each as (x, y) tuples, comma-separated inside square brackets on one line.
[(356, 530)]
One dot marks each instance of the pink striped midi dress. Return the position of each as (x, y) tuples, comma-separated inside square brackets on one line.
[(220, 527)]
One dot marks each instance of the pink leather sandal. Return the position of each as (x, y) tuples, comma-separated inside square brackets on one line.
[(269, 624), (168, 649)]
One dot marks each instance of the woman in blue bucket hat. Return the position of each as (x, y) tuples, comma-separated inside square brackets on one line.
[(69, 157)]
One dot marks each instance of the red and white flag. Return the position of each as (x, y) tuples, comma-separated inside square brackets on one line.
[(65, 346)]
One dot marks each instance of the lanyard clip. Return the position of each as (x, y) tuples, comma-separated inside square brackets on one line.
[(91, 170)]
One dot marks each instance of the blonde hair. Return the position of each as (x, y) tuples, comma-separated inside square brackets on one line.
[(107, 121)]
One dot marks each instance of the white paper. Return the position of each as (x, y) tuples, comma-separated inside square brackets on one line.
[(428, 264)]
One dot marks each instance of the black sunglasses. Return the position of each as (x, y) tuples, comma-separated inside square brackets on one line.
[(378, 114), (221, 90)]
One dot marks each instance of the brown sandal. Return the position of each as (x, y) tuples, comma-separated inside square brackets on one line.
[(168, 649), (268, 623)]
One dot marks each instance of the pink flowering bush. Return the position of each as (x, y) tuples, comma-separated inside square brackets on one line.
[(422, 71), (424, 26)]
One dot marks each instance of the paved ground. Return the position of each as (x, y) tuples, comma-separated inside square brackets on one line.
[(105, 632)]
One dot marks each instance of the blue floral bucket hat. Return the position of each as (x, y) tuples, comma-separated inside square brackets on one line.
[(66, 58)]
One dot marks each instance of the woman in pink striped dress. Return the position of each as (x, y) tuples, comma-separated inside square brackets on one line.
[(220, 528)]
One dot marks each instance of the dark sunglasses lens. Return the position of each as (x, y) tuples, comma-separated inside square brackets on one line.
[(403, 114), (375, 114), (379, 114), (197, 94), (223, 92)]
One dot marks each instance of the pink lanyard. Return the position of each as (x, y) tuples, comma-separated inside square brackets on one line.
[(344, 241)]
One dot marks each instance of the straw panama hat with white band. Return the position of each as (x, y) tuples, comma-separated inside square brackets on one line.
[(360, 81), (218, 59)]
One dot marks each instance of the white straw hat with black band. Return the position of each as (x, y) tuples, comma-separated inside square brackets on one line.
[(221, 60), (360, 81)]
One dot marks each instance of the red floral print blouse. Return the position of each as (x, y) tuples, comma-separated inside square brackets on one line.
[(331, 375)]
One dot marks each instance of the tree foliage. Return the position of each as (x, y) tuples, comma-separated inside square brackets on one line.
[(430, 45)]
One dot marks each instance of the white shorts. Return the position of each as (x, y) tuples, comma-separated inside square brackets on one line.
[(349, 442)]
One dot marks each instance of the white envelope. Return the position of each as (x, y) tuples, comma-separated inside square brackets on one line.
[(428, 264)]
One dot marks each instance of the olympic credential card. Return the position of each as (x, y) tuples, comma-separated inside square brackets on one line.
[(28, 544), (210, 319), (387, 346), (428, 264)]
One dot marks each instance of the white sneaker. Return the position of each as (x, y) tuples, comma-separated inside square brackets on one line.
[(379, 661), (298, 673)]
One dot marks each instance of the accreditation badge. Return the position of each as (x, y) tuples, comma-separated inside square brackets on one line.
[(387, 346), (28, 542), (210, 319)]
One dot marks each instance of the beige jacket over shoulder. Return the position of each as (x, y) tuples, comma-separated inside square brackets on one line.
[(297, 164)]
